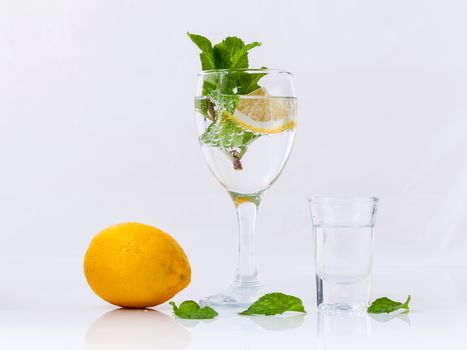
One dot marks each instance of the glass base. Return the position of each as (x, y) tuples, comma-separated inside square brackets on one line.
[(340, 307), (238, 295), (342, 297)]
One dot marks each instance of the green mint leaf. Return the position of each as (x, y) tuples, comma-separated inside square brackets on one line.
[(225, 51), (210, 84), (223, 102), (207, 53), (240, 58), (225, 134), (248, 82), (230, 53), (220, 90), (237, 83), (273, 304), (189, 309), (386, 305), (203, 43)]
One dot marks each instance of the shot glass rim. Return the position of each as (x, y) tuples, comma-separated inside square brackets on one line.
[(350, 199)]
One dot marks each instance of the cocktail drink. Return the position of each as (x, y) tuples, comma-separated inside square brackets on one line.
[(246, 153), (246, 121)]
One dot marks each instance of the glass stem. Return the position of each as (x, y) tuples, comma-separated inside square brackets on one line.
[(246, 267)]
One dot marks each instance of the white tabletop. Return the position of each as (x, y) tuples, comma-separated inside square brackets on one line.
[(46, 304)]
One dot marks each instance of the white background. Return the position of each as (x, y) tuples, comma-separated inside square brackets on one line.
[(97, 128)]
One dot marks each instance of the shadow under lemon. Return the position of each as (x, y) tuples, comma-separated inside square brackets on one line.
[(137, 330)]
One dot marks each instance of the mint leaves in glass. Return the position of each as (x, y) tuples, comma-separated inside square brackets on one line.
[(246, 121)]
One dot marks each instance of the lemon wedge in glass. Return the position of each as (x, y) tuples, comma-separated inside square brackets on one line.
[(259, 112)]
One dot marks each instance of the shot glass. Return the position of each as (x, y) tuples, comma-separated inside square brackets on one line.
[(343, 236)]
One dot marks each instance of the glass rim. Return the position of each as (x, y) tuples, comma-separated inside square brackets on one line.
[(317, 199), (252, 70)]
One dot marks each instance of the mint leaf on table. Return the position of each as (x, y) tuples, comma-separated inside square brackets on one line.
[(386, 305), (189, 309), (273, 304)]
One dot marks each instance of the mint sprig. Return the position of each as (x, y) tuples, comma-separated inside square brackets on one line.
[(221, 90), (386, 305), (273, 304), (207, 51), (225, 134), (232, 53), (189, 309)]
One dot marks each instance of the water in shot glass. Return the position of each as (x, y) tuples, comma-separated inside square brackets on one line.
[(343, 235)]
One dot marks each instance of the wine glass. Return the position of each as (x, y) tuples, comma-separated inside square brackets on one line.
[(246, 122)]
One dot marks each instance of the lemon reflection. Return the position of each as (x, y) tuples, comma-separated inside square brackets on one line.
[(136, 330)]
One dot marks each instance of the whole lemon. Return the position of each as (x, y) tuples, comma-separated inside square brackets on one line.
[(135, 266)]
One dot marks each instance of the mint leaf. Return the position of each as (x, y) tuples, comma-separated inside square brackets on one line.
[(273, 304), (189, 309), (220, 89), (225, 134), (207, 53), (225, 50), (386, 305), (240, 58), (223, 102), (243, 83), (230, 53)]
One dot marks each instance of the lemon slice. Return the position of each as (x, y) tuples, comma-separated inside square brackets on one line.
[(261, 113)]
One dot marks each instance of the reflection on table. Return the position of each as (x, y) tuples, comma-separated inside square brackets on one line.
[(136, 330)]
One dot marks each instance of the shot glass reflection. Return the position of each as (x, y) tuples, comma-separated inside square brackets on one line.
[(136, 330), (343, 324)]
